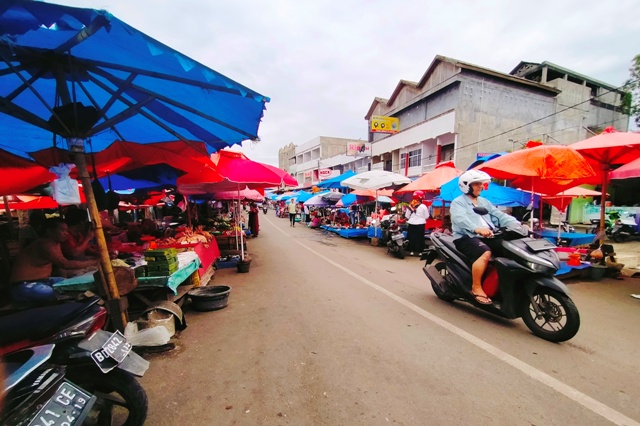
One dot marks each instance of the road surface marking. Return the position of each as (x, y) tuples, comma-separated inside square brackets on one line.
[(586, 401)]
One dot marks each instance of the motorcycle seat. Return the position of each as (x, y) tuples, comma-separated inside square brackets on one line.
[(39, 323), (447, 240)]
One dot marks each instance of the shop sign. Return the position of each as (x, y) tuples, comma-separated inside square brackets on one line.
[(325, 173), (382, 124), (307, 175), (360, 148)]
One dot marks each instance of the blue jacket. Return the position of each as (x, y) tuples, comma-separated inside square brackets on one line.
[(464, 220)]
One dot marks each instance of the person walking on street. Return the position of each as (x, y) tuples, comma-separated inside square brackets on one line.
[(417, 214), (292, 212)]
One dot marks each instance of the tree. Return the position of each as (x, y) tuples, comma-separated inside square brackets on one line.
[(631, 99)]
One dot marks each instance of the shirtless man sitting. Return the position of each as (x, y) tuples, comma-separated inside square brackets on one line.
[(36, 261)]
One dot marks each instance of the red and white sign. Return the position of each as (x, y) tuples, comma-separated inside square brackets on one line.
[(325, 173)]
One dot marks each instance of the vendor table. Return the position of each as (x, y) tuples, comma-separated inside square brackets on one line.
[(374, 232), (353, 232), (572, 238), (188, 264)]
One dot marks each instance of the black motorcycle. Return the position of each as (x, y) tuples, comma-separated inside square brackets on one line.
[(40, 393), (393, 238), (96, 362), (519, 280)]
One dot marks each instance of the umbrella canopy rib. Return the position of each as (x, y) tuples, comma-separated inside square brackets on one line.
[(117, 81)]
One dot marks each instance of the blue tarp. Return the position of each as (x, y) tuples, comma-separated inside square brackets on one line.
[(348, 199), (498, 195), (142, 90), (335, 181), (304, 196)]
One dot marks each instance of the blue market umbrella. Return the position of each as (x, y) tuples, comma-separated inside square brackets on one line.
[(335, 182), (84, 73), (498, 195)]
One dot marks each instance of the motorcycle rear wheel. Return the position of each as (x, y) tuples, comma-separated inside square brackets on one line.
[(121, 399), (618, 237), (400, 253), (560, 319)]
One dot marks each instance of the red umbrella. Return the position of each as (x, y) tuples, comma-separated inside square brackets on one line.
[(610, 148), (18, 175), (123, 156), (237, 171), (628, 171), (546, 169), (28, 202), (433, 180)]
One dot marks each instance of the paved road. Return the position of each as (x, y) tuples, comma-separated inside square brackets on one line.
[(328, 331)]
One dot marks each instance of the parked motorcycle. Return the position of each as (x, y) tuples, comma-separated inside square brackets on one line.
[(98, 362), (39, 393), (520, 281), (624, 228), (393, 238)]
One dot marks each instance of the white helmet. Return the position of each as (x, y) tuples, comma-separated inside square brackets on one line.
[(467, 178)]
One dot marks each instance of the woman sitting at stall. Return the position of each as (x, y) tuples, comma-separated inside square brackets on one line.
[(78, 245)]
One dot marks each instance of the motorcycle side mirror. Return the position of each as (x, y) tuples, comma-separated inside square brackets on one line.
[(481, 211)]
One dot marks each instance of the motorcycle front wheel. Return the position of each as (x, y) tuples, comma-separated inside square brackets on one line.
[(559, 319), (120, 398)]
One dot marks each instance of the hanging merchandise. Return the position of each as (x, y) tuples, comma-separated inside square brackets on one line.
[(65, 190)]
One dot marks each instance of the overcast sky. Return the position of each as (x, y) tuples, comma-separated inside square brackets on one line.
[(323, 62)]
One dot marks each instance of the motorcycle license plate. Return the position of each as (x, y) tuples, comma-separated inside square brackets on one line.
[(69, 405), (397, 237), (112, 353)]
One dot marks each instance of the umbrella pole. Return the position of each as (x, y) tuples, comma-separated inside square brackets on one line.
[(241, 230), (603, 200), (113, 295), (186, 198)]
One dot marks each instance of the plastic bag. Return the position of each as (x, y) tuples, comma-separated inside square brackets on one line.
[(65, 190), (155, 336)]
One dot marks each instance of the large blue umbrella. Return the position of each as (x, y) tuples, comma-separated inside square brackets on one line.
[(84, 73), (334, 182), (498, 195)]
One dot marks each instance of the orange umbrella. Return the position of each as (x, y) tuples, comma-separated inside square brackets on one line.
[(546, 169), (608, 149), (433, 180)]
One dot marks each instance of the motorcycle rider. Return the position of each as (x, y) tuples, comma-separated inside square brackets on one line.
[(469, 227)]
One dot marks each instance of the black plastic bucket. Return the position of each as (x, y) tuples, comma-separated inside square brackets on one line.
[(243, 267), (209, 298)]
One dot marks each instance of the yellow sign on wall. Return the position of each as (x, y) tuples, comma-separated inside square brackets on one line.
[(382, 124)]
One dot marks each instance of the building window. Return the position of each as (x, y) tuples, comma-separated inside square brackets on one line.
[(446, 153), (415, 158)]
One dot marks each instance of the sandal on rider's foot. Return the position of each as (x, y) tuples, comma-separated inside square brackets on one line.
[(481, 299)]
